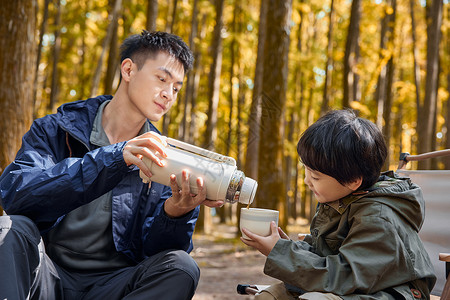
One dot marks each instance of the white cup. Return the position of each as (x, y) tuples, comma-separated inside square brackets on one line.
[(257, 220)]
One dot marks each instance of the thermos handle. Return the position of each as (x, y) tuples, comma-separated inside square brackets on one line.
[(200, 151)]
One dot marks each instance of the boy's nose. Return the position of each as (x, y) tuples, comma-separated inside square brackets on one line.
[(307, 181)]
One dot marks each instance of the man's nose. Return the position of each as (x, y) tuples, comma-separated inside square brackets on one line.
[(166, 94)]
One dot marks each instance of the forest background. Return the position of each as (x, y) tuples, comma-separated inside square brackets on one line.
[(264, 71)]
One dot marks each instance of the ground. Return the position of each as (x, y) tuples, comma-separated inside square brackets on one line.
[(225, 262)]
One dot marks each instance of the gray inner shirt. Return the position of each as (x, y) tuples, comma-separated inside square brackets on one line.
[(83, 239)]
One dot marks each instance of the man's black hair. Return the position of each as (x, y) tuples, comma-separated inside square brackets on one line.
[(139, 47), (345, 147)]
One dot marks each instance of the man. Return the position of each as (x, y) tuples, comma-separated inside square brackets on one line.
[(75, 183)]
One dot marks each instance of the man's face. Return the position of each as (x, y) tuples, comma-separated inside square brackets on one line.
[(154, 88)]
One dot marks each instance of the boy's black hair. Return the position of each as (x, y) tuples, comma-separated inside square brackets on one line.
[(345, 147), (139, 47)]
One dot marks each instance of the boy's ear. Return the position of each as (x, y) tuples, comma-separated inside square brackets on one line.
[(354, 185)]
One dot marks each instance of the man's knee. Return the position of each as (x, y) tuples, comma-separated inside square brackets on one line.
[(19, 256), (183, 261), (180, 260), (14, 227), (174, 261)]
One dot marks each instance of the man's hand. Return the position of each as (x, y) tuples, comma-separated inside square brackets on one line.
[(183, 201), (145, 145), (264, 244)]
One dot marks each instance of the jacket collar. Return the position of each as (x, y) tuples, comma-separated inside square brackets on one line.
[(77, 118)]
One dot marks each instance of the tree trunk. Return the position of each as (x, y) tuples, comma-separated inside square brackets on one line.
[(447, 123), (425, 124), (223, 212), (213, 92), (83, 84), (171, 20), (289, 162), (152, 15), (388, 92), (17, 58), (300, 83), (415, 57), (113, 17), (447, 139), (254, 120), (310, 80), (56, 51), (214, 79), (230, 95), (383, 56), (42, 31), (297, 194), (240, 125), (169, 28), (113, 58), (271, 186), (195, 84), (351, 55), (328, 67), (188, 94)]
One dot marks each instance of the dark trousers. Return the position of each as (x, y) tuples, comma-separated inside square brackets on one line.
[(26, 272)]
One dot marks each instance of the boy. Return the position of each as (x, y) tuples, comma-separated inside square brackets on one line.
[(75, 182), (364, 241)]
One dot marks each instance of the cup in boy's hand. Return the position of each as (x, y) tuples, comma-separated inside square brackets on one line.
[(257, 220)]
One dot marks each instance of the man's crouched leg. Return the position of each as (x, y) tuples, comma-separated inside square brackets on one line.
[(171, 274), (26, 271), (166, 275)]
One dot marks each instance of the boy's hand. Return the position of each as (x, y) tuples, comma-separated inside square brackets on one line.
[(283, 235), (264, 244)]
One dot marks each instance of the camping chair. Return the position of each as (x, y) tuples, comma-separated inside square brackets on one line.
[(435, 186), (434, 234)]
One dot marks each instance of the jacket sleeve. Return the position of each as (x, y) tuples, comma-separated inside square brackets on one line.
[(371, 258), (162, 232), (43, 185)]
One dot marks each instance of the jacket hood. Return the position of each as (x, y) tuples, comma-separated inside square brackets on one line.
[(402, 195), (77, 117)]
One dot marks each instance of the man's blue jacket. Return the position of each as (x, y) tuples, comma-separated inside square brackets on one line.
[(57, 170)]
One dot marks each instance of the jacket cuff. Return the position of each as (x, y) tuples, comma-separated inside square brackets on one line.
[(280, 251), (181, 219), (117, 153)]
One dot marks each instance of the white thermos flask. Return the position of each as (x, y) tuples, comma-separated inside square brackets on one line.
[(222, 179)]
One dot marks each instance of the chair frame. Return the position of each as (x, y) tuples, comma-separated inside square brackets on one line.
[(445, 257)]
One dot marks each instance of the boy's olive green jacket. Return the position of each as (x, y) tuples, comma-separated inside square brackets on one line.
[(364, 246)]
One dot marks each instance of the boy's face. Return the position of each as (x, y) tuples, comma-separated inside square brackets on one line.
[(326, 188), (154, 88)]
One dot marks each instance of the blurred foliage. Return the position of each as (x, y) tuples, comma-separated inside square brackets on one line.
[(84, 25)]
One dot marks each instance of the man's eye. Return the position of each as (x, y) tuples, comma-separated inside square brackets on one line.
[(315, 178), (162, 79)]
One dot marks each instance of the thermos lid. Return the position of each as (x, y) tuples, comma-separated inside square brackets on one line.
[(248, 191)]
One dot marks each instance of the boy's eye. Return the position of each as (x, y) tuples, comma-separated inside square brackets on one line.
[(315, 178), (162, 79), (175, 90)]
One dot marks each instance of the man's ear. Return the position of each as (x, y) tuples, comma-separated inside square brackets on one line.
[(126, 68), (355, 184)]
